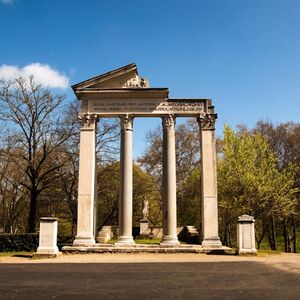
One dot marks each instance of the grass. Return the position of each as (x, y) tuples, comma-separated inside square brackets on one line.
[(264, 246), (137, 241), (148, 241), (16, 253)]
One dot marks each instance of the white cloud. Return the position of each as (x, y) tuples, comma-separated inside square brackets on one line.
[(43, 74), (7, 1)]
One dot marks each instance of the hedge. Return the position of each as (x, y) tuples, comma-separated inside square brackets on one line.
[(19, 242)]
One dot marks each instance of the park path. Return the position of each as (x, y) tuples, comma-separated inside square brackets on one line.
[(285, 262)]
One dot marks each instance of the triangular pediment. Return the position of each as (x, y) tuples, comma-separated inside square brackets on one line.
[(124, 77)]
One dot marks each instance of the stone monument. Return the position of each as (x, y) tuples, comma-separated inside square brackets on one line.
[(48, 237), (246, 235), (144, 222), (122, 93)]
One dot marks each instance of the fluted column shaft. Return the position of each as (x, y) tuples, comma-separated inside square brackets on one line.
[(86, 181), (209, 193), (125, 200), (169, 182)]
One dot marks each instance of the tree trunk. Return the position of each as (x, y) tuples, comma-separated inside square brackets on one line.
[(272, 235), (264, 231), (286, 237), (32, 212), (294, 236)]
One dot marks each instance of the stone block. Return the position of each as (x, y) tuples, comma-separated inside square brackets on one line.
[(246, 235), (105, 234), (48, 237)]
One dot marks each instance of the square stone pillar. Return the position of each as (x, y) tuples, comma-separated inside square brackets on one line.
[(87, 181), (144, 227), (246, 235), (209, 193), (48, 237)]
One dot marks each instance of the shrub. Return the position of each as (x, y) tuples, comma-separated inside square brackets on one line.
[(19, 242)]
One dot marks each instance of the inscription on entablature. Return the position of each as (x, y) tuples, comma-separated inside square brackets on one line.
[(149, 107)]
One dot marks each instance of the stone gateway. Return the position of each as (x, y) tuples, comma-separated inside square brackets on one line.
[(122, 93)]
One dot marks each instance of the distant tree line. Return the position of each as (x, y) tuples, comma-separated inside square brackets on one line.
[(258, 170)]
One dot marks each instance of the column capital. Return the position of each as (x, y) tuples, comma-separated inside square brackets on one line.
[(168, 121), (127, 122), (87, 122), (207, 121)]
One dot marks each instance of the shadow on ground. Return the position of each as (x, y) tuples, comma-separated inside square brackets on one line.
[(200, 280)]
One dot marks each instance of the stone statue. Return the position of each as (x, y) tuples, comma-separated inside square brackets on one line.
[(146, 209)]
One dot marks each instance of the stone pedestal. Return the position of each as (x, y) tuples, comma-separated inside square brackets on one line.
[(104, 235), (48, 237), (125, 201), (246, 235), (169, 182), (144, 228), (87, 181)]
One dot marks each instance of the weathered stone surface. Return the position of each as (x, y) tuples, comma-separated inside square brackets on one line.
[(48, 237), (246, 235), (87, 182), (123, 93), (169, 182)]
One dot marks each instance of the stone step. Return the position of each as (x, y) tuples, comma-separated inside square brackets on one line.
[(143, 248)]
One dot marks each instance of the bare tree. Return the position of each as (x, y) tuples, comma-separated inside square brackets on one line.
[(32, 115)]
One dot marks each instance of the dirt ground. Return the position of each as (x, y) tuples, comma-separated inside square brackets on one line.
[(283, 261)]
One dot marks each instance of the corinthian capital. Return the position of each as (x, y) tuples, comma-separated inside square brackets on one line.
[(87, 122), (207, 121), (127, 122), (168, 121)]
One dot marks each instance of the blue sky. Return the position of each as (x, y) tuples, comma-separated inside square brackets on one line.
[(243, 54)]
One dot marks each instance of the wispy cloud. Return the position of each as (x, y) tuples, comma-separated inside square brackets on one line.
[(43, 74), (7, 1)]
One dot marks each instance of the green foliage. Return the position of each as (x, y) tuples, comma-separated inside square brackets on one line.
[(250, 182), (188, 204), (19, 242), (108, 195)]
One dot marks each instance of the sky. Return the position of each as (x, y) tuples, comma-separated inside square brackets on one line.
[(244, 55)]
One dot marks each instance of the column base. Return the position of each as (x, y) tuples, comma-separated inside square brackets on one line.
[(47, 250), (125, 240), (211, 242), (169, 240), (83, 241), (246, 251)]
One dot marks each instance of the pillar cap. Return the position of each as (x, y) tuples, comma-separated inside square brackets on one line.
[(246, 218), (48, 219)]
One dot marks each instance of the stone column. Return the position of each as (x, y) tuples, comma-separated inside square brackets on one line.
[(125, 200), (209, 193), (87, 181), (169, 182)]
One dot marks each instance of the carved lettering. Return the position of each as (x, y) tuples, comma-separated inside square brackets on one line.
[(178, 107)]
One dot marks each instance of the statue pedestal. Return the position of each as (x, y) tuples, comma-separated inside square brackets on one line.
[(144, 228)]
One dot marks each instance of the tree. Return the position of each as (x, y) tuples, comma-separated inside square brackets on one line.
[(250, 182), (12, 195), (107, 149), (108, 195), (284, 139), (32, 114), (187, 166)]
